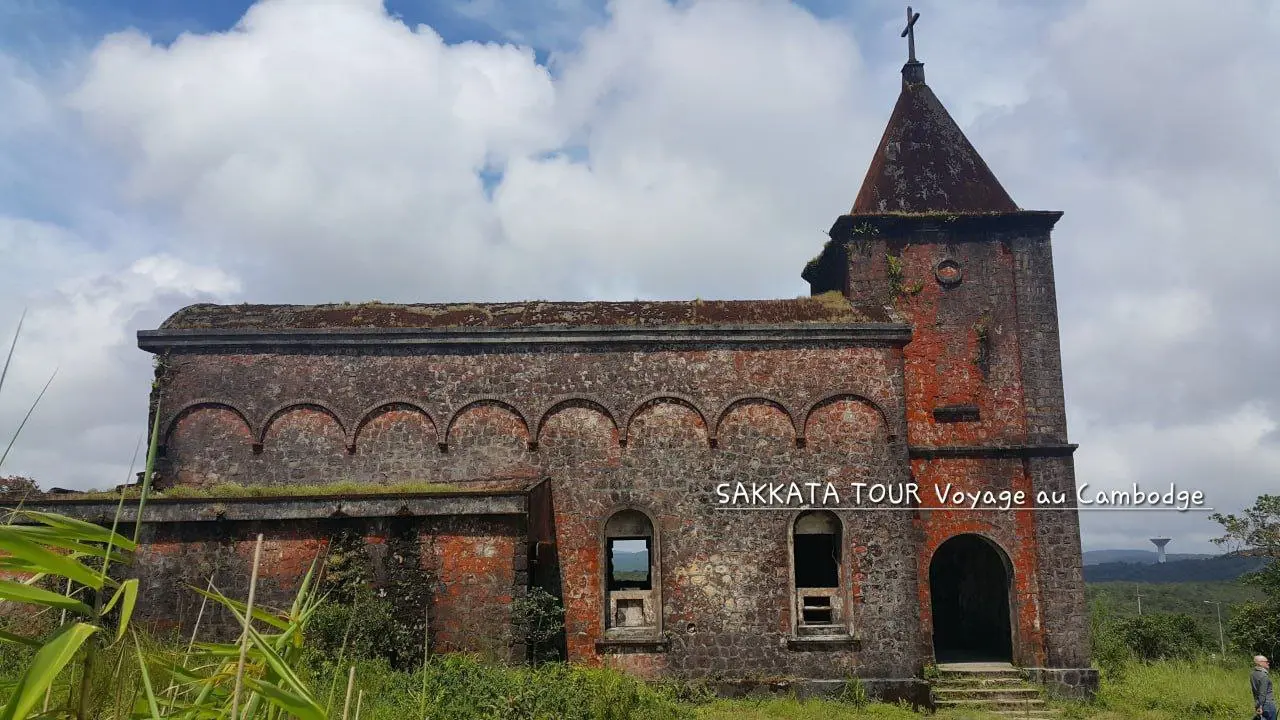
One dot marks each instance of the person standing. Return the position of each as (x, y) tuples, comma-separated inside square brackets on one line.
[(1264, 698)]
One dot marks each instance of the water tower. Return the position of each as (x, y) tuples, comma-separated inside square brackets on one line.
[(1160, 543)]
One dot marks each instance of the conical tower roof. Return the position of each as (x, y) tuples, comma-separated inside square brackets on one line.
[(925, 164)]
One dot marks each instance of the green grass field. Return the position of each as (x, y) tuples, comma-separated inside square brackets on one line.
[(461, 688), (1160, 691)]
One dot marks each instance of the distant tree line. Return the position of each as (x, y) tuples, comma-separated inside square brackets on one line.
[(1250, 604)]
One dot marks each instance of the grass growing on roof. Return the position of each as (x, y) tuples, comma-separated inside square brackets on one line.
[(236, 490)]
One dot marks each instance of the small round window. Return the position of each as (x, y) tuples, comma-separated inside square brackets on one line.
[(948, 273)]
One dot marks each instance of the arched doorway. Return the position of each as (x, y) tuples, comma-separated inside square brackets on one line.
[(969, 581)]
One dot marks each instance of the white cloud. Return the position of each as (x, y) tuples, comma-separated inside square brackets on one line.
[(83, 429), (1228, 460), (325, 152)]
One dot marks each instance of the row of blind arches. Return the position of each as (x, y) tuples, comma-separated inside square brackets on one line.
[(797, 417)]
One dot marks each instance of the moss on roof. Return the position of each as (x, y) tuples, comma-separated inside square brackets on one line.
[(819, 309), (267, 492)]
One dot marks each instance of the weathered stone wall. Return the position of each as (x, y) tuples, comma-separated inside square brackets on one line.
[(388, 417), (983, 370), (1058, 533), (726, 573), (472, 566), (1013, 533), (655, 429)]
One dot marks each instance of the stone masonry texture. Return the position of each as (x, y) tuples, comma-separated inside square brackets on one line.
[(988, 342), (653, 429)]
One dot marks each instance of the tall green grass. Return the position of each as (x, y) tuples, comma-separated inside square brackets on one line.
[(468, 688), (463, 687), (1179, 689)]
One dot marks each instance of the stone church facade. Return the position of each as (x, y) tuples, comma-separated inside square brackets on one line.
[(587, 448)]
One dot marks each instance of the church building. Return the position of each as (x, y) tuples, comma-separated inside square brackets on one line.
[(637, 459)]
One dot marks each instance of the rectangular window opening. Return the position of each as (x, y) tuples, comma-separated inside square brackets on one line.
[(817, 561), (630, 564)]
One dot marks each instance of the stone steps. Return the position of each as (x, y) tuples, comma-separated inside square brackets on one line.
[(993, 688), (987, 692)]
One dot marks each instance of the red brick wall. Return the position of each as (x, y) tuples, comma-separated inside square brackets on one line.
[(474, 565), (944, 367), (991, 342), (1014, 533)]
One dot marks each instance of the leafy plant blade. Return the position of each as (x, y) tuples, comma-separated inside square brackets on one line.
[(85, 531), (13, 543), (22, 593), (44, 669)]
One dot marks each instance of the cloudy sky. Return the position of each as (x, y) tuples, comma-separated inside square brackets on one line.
[(154, 154)]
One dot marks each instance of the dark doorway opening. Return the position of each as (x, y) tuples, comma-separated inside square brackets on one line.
[(969, 588)]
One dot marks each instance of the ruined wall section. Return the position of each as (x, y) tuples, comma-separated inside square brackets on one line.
[(472, 567)]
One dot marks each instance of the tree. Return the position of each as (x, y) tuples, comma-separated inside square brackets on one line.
[(11, 485), (1255, 626), (1256, 532)]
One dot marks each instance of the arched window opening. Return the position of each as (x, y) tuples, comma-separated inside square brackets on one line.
[(630, 581), (815, 545)]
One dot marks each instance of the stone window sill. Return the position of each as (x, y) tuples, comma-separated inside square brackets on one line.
[(632, 642), (823, 642)]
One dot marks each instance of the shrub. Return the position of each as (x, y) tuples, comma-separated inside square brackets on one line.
[(18, 485), (360, 621), (1110, 653), (1255, 628), (1162, 636), (538, 620)]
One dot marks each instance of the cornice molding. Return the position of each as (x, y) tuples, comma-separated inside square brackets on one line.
[(920, 452), (892, 334)]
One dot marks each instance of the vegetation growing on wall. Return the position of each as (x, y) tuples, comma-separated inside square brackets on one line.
[(538, 621), (362, 621), (982, 346), (236, 490)]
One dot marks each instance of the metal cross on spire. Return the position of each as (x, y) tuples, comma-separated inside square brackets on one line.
[(910, 34)]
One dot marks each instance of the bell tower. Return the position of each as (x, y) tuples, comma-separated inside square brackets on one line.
[(934, 235)]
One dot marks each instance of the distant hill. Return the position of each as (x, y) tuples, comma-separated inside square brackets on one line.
[(1212, 569), (630, 561), (1097, 557)]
